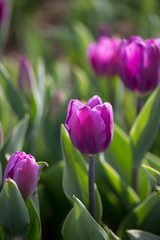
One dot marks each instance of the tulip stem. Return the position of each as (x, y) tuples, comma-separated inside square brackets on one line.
[(92, 197)]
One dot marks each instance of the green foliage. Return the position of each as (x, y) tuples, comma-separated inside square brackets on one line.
[(141, 235), (145, 128), (80, 225), (12, 93), (145, 217), (75, 176), (14, 217)]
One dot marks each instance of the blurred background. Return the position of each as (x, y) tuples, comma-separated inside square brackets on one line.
[(54, 35)]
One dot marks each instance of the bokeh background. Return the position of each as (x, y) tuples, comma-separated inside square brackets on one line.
[(57, 33)]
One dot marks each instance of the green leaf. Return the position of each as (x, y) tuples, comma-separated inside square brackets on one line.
[(75, 176), (14, 217), (12, 93), (35, 225), (15, 141), (111, 178), (84, 38), (53, 197), (18, 136), (83, 82), (39, 101), (153, 176), (145, 217), (145, 127), (80, 225), (111, 235), (1, 234), (141, 235), (115, 156)]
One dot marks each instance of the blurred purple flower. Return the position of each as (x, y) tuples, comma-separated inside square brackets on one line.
[(23, 169), (26, 75), (139, 64), (5, 10), (103, 56), (90, 126)]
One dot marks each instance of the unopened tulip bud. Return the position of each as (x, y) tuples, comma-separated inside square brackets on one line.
[(90, 126), (23, 169), (26, 75)]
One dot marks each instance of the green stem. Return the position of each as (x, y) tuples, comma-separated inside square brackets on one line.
[(92, 197)]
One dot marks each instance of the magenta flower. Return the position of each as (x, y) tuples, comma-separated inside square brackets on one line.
[(26, 75), (90, 126), (23, 169), (103, 56), (139, 64)]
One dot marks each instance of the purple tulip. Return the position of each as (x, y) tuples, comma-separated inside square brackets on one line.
[(90, 126), (139, 64), (26, 75), (23, 169), (103, 56)]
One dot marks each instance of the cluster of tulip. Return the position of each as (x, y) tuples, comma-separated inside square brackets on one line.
[(136, 61)]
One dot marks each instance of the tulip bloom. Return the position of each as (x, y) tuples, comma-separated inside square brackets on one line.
[(139, 64), (103, 56), (23, 169), (90, 126)]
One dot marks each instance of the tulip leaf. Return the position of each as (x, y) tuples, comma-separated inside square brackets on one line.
[(38, 103), (115, 156), (51, 191), (75, 176), (141, 235), (35, 225), (14, 217), (1, 234), (18, 136), (83, 37), (145, 217), (145, 127), (12, 93), (79, 225), (15, 141), (112, 179)]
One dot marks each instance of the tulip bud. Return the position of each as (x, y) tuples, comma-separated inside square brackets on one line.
[(139, 64), (23, 169), (26, 75), (90, 126), (103, 56)]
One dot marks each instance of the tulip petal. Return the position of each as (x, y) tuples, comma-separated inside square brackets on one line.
[(87, 131), (95, 100), (106, 113), (72, 106), (26, 175)]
